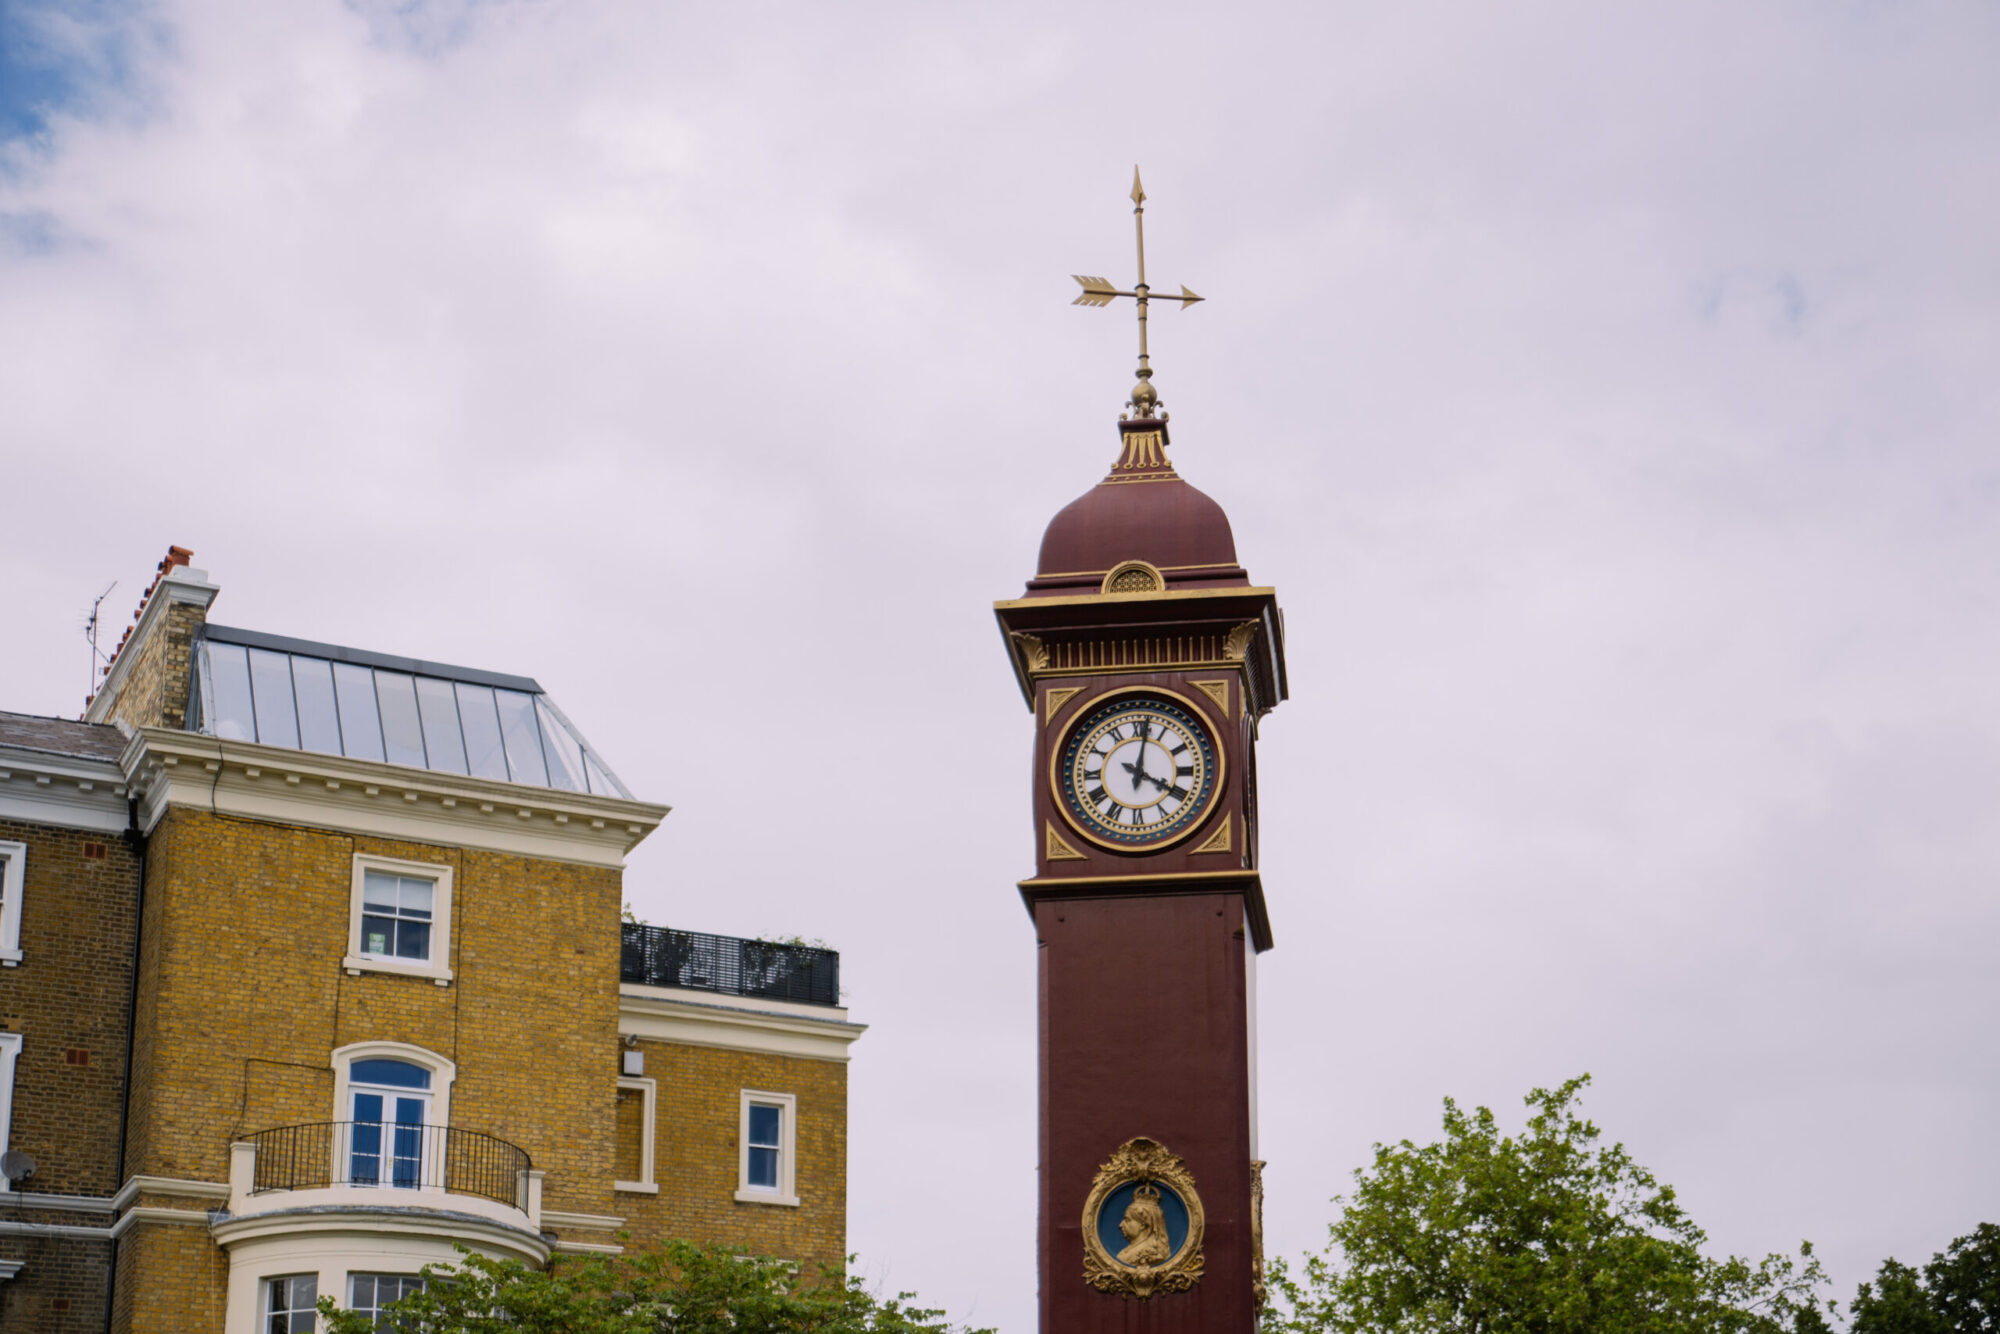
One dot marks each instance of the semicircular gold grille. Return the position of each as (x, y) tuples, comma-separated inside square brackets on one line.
[(1134, 576)]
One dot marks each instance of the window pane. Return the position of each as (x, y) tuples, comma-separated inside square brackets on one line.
[(764, 1125), (413, 940), (229, 678), (524, 742), (483, 756), (416, 896), (564, 755), (319, 724), (441, 739), (379, 888), (764, 1168), (402, 734), (360, 725), (376, 934), (271, 683), (396, 1074)]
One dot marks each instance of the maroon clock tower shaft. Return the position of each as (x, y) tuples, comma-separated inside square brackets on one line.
[(1148, 658)]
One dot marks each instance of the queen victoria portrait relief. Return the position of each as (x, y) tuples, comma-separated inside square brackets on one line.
[(1142, 1224)]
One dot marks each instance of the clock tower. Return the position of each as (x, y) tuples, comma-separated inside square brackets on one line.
[(1148, 658)]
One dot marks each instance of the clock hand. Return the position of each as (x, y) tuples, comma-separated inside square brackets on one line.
[(1138, 771)]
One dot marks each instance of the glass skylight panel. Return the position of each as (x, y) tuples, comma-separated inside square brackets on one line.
[(442, 741), (402, 732), (264, 690), (564, 755), (481, 725), (271, 688), (319, 717), (229, 683), (360, 721), (524, 739), (600, 781)]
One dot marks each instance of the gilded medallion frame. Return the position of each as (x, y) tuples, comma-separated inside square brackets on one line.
[(1083, 715), (1146, 1162)]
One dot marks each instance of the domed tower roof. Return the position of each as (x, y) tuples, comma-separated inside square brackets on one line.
[(1140, 529)]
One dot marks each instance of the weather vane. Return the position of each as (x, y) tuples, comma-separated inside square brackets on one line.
[(1098, 292)]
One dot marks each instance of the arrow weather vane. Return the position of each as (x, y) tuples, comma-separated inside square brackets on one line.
[(1098, 292)]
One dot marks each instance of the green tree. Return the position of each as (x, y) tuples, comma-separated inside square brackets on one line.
[(678, 1288), (1958, 1292), (1547, 1232)]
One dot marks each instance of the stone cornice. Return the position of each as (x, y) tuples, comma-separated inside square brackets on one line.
[(668, 1014), (175, 1186), (40, 787), (167, 768)]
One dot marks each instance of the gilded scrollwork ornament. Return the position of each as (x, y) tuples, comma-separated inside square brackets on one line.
[(1143, 1223), (1260, 1291)]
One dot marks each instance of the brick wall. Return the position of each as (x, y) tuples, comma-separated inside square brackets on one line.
[(695, 1154), (171, 1280), (60, 1289), (67, 1000)]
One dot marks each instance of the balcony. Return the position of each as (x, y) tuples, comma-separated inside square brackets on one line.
[(391, 1157), (656, 956), (440, 1183)]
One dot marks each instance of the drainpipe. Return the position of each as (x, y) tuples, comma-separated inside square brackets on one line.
[(135, 840)]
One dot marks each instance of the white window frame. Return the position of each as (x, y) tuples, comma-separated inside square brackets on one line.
[(437, 967), (10, 1051), (13, 877), (788, 1140), (264, 1283), (649, 1089)]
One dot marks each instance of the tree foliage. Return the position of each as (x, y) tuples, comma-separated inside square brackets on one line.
[(1958, 1292), (1548, 1232), (678, 1288)]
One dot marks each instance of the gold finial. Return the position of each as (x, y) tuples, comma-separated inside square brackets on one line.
[(1097, 291)]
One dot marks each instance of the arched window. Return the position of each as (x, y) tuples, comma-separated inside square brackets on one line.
[(393, 1102)]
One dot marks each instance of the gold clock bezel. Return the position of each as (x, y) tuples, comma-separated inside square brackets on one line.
[(1083, 714)]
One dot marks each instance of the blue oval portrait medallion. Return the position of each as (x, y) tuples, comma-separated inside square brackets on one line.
[(1143, 1223)]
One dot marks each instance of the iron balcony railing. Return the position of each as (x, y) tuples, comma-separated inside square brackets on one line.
[(390, 1155), (659, 957)]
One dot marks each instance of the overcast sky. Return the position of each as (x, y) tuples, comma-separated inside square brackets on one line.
[(1609, 390)]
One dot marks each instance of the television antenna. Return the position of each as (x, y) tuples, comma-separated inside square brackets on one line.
[(99, 663)]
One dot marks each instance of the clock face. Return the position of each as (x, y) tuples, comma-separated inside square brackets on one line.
[(1136, 772)]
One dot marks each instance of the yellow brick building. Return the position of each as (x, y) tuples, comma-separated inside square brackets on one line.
[(381, 1003)]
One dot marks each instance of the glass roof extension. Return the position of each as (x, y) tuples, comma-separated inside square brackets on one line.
[(251, 686)]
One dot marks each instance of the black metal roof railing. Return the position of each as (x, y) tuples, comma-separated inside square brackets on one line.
[(657, 956)]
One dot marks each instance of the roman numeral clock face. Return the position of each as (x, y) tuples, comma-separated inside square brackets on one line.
[(1137, 772)]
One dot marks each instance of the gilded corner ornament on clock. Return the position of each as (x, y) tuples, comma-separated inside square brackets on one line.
[(1137, 770), (1143, 1223)]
